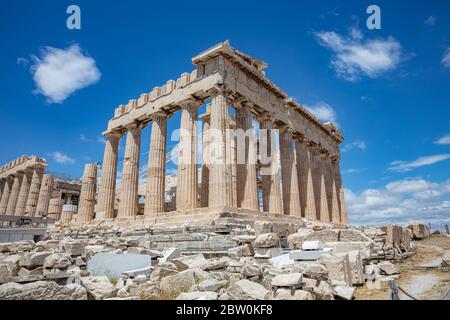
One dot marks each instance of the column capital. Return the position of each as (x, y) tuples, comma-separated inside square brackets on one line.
[(112, 134), (134, 126), (265, 117), (160, 114)]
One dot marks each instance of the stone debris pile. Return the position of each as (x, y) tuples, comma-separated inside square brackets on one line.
[(315, 262)]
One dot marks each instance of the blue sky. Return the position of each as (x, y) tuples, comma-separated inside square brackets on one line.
[(388, 89)]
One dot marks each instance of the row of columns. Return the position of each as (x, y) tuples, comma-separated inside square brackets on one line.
[(26, 193), (311, 185)]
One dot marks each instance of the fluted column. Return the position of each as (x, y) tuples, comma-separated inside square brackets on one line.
[(247, 188), (6, 194), (33, 195), (44, 194), (305, 180), (107, 188), (2, 186), (343, 218), (23, 193), (291, 196), (67, 214), (14, 196), (319, 186), (187, 179), (219, 177), (87, 195), (55, 208), (272, 201), (205, 166), (330, 186), (128, 203), (156, 169)]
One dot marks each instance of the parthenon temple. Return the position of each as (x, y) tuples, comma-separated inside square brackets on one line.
[(264, 155), (310, 183)]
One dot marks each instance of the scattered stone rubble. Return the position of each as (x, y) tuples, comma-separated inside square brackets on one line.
[(269, 261)]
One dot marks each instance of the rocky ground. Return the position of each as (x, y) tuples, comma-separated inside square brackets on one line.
[(422, 283), (269, 261)]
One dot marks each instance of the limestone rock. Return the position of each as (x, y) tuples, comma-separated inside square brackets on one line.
[(267, 240), (211, 285), (197, 296), (74, 248), (5, 273), (163, 270), (169, 254), (323, 291), (285, 294), (13, 263), (34, 259), (42, 290), (344, 292), (311, 269), (247, 290), (57, 260), (296, 240), (181, 282), (98, 287), (244, 239), (388, 268), (339, 270), (287, 280), (190, 262)]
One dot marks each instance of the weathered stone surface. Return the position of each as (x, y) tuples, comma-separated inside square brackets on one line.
[(267, 253), (338, 267), (267, 240), (388, 268), (287, 280), (344, 292), (296, 240), (311, 269), (169, 254), (419, 231), (75, 248), (216, 264), (42, 290), (163, 270), (353, 235), (323, 291), (34, 259), (211, 285), (5, 273), (250, 270), (196, 295), (57, 260), (190, 262), (247, 290), (285, 294), (99, 287), (20, 246), (13, 263), (244, 239), (181, 282), (365, 248)]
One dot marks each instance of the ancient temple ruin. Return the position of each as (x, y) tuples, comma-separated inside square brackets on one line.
[(310, 183)]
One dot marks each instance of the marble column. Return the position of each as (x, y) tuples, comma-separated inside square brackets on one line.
[(33, 195), (220, 193), (156, 169), (2, 186), (44, 194), (6, 194), (187, 179), (67, 214), (247, 188), (23, 193), (291, 196), (271, 193), (107, 188), (128, 202), (343, 218), (55, 208), (87, 195), (14, 196), (205, 167), (319, 186), (305, 179), (330, 186)]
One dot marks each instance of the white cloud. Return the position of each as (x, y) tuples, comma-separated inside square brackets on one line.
[(444, 140), (361, 145), (58, 73), (401, 166), (354, 56), (352, 170), (446, 58), (60, 157), (324, 112), (400, 202), (430, 21)]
